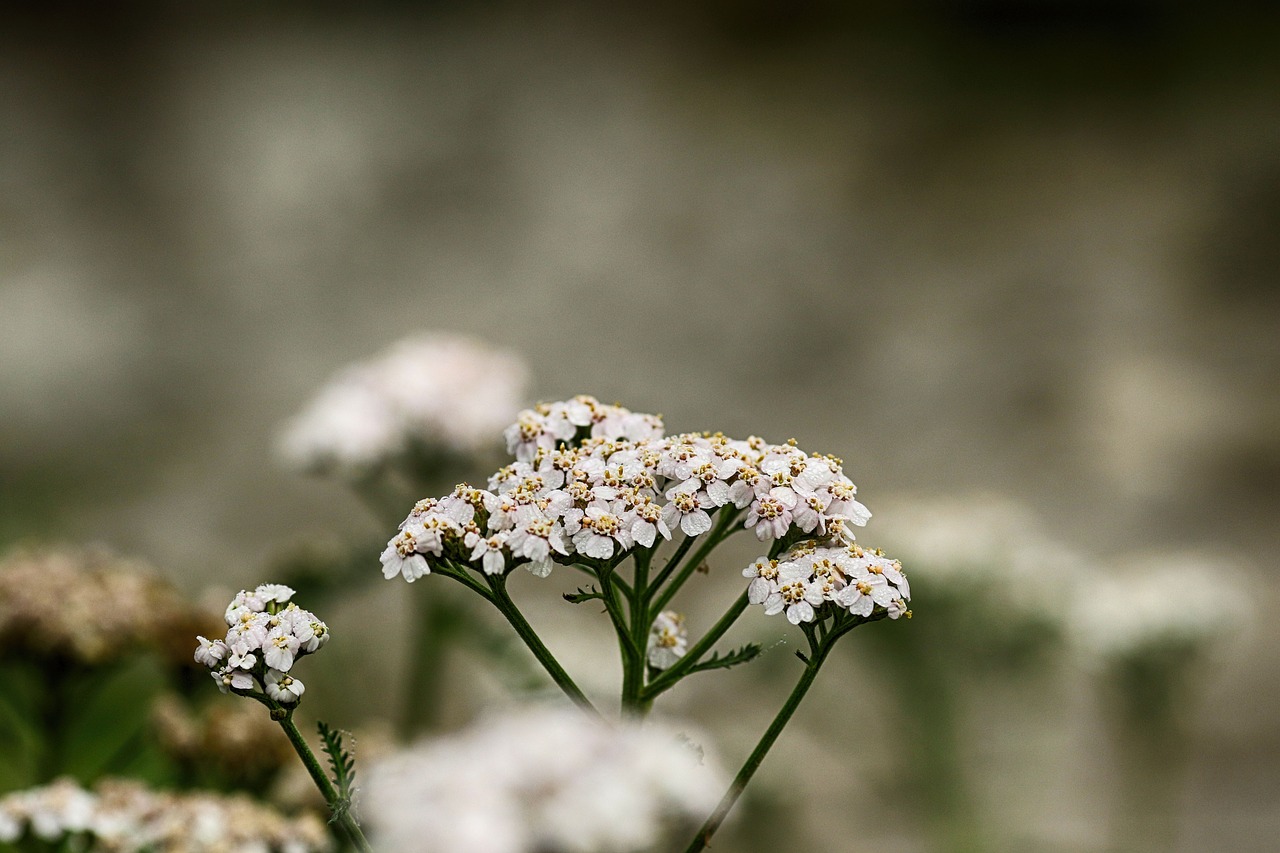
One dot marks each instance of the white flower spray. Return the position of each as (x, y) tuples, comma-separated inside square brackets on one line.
[(594, 485)]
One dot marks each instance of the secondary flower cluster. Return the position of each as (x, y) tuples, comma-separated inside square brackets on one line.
[(546, 780), (124, 817), (88, 605), (593, 481), (812, 575), (441, 392), (266, 636)]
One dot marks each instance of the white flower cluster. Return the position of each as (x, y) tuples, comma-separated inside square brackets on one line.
[(1145, 606), (810, 575), (124, 817), (594, 481), (543, 780), (266, 636), (668, 640), (439, 391)]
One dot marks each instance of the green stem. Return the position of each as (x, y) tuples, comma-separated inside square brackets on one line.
[(436, 622), (670, 565), (681, 668), (626, 643), (341, 812), (703, 839), (507, 607), (641, 619), (721, 531)]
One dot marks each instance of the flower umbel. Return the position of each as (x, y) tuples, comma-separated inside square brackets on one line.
[(265, 637)]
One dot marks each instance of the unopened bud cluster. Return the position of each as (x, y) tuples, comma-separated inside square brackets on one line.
[(811, 578), (125, 817), (593, 482), (267, 635)]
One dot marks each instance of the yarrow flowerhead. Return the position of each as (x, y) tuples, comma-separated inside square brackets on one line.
[(1144, 609), (592, 482), (438, 392), (88, 605), (542, 780), (124, 817), (267, 634), (812, 578)]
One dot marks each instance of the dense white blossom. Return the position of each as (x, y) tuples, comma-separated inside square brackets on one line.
[(438, 391), (125, 817), (541, 780), (592, 482), (813, 575), (266, 634)]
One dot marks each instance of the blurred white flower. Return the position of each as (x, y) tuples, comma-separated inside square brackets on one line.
[(443, 392), (668, 640), (124, 817), (984, 542), (540, 780), (1178, 601)]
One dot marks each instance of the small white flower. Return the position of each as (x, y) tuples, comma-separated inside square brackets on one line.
[(280, 648), (229, 679), (210, 653), (686, 509), (488, 551), (769, 517), (276, 592), (668, 640), (401, 557), (283, 688), (764, 576)]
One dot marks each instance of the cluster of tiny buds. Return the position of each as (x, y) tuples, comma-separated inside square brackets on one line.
[(267, 634), (812, 577), (668, 640), (593, 481)]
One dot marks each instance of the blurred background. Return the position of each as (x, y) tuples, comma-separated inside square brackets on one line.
[(1022, 250)]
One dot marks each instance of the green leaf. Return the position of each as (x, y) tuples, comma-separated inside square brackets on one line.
[(583, 595), (108, 718), (718, 661), (342, 764)]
